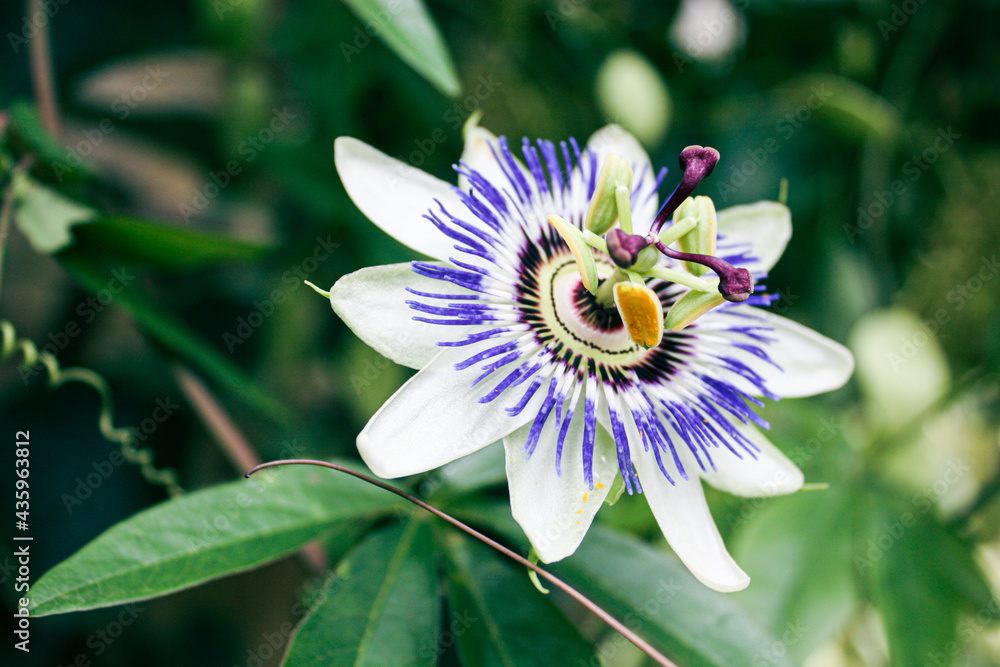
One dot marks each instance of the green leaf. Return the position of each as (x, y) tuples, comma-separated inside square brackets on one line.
[(176, 336), (647, 588), (924, 576), (408, 29), (858, 110), (45, 216), (499, 619), (52, 157), (137, 240), (204, 535), (786, 542), (479, 470), (382, 608), (650, 589)]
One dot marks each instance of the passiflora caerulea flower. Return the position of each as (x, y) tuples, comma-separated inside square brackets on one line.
[(610, 343)]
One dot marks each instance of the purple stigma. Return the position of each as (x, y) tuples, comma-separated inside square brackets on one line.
[(735, 283), (697, 163)]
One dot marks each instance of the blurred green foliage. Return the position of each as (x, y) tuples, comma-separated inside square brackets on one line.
[(200, 137)]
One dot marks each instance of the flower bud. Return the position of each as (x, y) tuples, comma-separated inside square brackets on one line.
[(701, 239), (582, 252), (603, 210), (690, 307)]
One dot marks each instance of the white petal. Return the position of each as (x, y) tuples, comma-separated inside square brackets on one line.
[(761, 229), (395, 195), (479, 155), (615, 139), (556, 511), (372, 302), (770, 474), (810, 363), (435, 417), (682, 513), (683, 516)]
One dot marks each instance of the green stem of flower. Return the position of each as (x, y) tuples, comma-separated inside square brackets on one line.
[(675, 231), (640, 643), (595, 241), (605, 294), (684, 278)]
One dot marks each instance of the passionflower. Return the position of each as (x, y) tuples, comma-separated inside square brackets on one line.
[(612, 344)]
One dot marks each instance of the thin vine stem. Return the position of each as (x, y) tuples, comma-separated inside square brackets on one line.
[(125, 438), (639, 642)]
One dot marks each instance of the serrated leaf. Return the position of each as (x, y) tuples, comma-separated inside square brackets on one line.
[(797, 551), (147, 242), (382, 608), (45, 216), (177, 337), (499, 619), (408, 29), (204, 535), (924, 577)]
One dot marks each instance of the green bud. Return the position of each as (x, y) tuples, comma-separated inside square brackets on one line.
[(700, 240), (582, 253), (603, 211), (648, 257), (691, 306)]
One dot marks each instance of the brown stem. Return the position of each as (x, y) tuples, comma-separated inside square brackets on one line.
[(41, 71), (640, 643), (233, 443)]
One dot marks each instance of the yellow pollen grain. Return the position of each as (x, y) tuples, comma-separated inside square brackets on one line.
[(599, 485), (584, 496), (578, 512)]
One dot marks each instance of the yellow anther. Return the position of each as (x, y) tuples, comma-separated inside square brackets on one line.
[(642, 313)]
